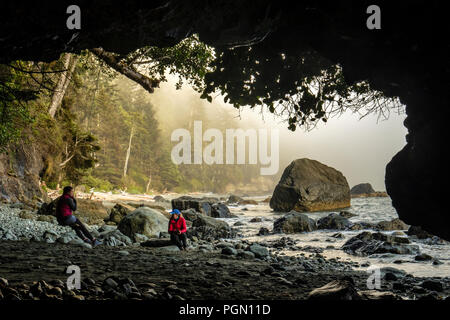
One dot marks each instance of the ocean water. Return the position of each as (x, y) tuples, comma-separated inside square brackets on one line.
[(370, 210)]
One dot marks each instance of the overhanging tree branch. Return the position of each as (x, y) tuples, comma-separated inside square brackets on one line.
[(111, 60)]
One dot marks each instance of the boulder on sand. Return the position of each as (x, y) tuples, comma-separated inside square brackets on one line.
[(308, 185), (144, 220), (294, 222)]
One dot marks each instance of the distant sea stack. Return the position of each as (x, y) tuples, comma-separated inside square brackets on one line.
[(364, 190), (308, 185)]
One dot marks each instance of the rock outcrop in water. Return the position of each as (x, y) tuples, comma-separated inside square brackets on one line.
[(365, 190), (362, 188), (308, 185)]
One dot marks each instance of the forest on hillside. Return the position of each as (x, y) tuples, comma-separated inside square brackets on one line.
[(99, 129)]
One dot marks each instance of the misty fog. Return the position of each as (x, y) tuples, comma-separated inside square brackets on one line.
[(360, 149)]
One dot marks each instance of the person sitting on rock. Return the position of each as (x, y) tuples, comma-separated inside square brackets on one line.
[(177, 229), (64, 214)]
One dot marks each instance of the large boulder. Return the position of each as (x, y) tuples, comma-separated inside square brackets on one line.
[(367, 243), (362, 188), (294, 222), (333, 221), (308, 185), (144, 220)]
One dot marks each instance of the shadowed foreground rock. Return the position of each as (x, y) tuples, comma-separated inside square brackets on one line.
[(308, 185)]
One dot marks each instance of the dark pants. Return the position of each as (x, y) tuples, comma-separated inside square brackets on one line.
[(76, 225), (179, 239)]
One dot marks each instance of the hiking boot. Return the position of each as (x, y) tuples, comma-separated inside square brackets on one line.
[(95, 243)]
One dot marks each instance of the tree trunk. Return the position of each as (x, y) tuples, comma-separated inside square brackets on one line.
[(63, 83), (125, 167), (58, 185), (148, 183)]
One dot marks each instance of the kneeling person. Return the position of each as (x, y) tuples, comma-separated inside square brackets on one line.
[(177, 229)]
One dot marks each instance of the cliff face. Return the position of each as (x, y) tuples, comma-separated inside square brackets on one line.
[(19, 174), (407, 58)]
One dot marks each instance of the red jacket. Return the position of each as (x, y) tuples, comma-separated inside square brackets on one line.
[(177, 225)]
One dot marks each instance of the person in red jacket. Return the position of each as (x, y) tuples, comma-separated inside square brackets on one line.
[(177, 229), (64, 214)]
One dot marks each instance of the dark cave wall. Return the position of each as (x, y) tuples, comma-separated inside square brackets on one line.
[(407, 58)]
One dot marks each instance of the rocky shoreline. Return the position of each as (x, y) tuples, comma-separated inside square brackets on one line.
[(37, 271), (35, 254)]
